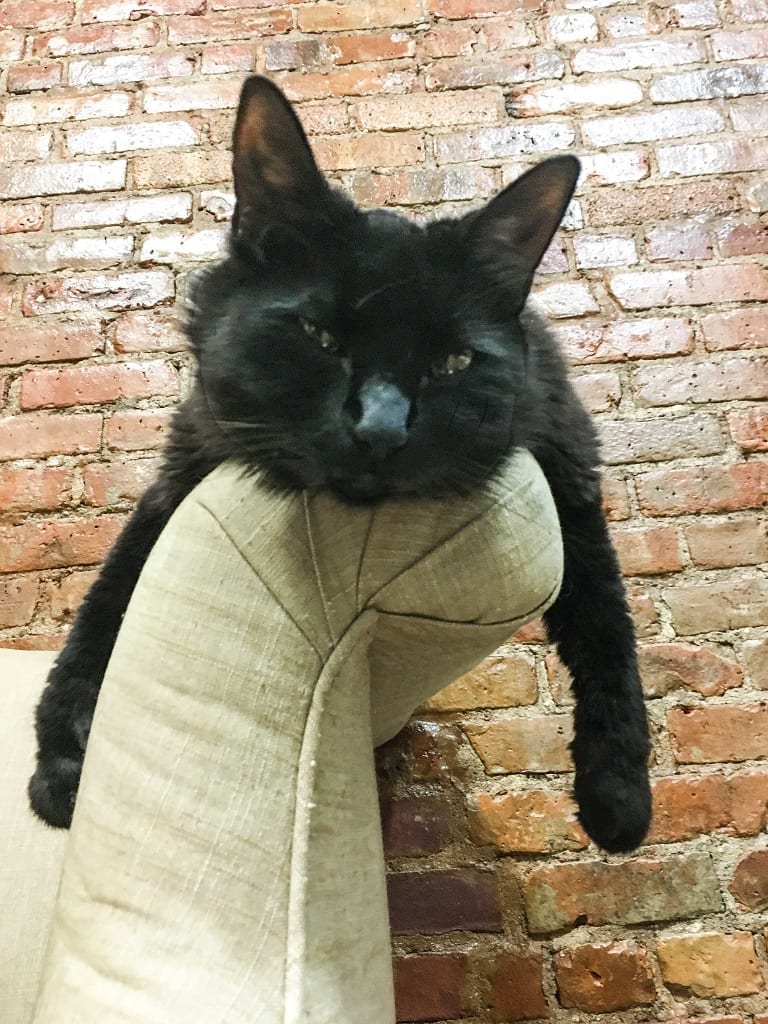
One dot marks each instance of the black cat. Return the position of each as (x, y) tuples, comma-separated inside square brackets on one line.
[(358, 351)]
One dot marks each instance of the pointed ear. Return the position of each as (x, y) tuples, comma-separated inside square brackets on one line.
[(512, 232), (276, 177)]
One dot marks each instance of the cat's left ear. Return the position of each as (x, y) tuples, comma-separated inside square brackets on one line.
[(276, 177), (512, 232)]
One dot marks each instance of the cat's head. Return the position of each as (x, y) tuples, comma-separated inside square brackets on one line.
[(355, 349)]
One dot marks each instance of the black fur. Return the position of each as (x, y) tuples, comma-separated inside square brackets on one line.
[(325, 343)]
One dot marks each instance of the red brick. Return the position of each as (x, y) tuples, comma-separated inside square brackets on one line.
[(451, 41), (390, 112), (750, 880), (667, 667), (711, 83), (470, 72), (426, 185), (718, 545), (644, 550), (497, 142), (749, 429), (427, 751), (497, 33), (430, 986), (730, 604), (86, 292), (32, 77), (534, 821), (110, 483), (601, 978), (148, 332), (335, 17), (224, 57), (36, 435), (125, 10), (736, 328), (96, 39), (458, 9), (348, 81), (51, 109), (653, 440), (374, 149), (559, 896), (166, 170), (616, 206), (98, 383), (506, 678), (21, 217), (615, 499), (517, 987), (56, 543), (352, 49), (27, 144), (687, 242), (39, 14), (66, 595), (34, 488), (138, 429), (161, 99), (755, 657), (36, 642), (239, 24), (719, 733), (710, 964), (663, 124), (651, 54), (740, 45), (627, 339), (415, 826), (18, 598), (687, 806), (742, 238), (709, 488), (432, 902), (643, 290), (536, 744)]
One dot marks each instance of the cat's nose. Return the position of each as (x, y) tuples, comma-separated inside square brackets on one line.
[(383, 424)]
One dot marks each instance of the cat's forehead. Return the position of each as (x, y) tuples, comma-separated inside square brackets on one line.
[(387, 265)]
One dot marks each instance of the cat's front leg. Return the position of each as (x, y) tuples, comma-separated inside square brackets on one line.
[(591, 625), (63, 717)]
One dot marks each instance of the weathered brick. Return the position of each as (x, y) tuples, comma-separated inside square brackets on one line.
[(536, 744), (148, 332), (672, 244), (692, 14), (427, 185), (176, 206), (21, 217), (373, 46), (720, 732), (18, 181), (414, 826), (628, 339), (651, 54), (604, 977), (658, 439), (172, 247), (66, 253), (742, 237), (98, 383), (96, 39), (617, 206), (390, 112), (750, 10), (222, 58), (750, 881), (34, 488), (41, 14), (125, 10), (738, 377), (51, 109), (686, 806), (600, 392), (470, 72), (710, 964), (749, 429), (681, 886), (501, 142), (430, 986), (27, 144), (349, 81), (647, 550), (129, 68), (239, 24), (32, 77), (374, 149), (11, 44), (48, 343), (124, 139), (615, 499), (446, 40), (555, 99), (663, 124), (66, 595), (37, 435), (709, 84), (507, 678), (534, 821), (338, 17), (56, 543), (719, 545), (712, 157), (740, 45), (734, 283), (432, 902), (566, 298), (162, 99), (138, 429), (576, 27), (667, 667), (458, 9), (109, 483), (503, 33), (165, 170), (517, 987), (128, 290), (297, 54), (730, 604), (736, 328), (604, 251), (710, 488), (611, 168), (755, 656), (18, 598)]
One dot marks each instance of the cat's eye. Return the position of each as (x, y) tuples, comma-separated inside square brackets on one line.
[(453, 363), (323, 337)]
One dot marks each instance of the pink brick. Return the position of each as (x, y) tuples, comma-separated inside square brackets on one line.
[(655, 54), (740, 45), (48, 343), (749, 429), (373, 149), (125, 138), (98, 383), (50, 109), (334, 17), (410, 187), (351, 81), (32, 77), (126, 10), (742, 237), (713, 157), (750, 10), (464, 73), (167, 170), (223, 25), (666, 124), (54, 178), (452, 41), (499, 34), (600, 392), (138, 429), (613, 167), (738, 283), (40, 14), (148, 332), (27, 144), (604, 250), (669, 244), (37, 435), (129, 290), (749, 116), (737, 328), (21, 217), (447, 109), (225, 57), (11, 45), (107, 484), (648, 338), (96, 39), (160, 99), (735, 378), (129, 68)]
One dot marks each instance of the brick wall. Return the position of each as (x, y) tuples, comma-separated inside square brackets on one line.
[(114, 180)]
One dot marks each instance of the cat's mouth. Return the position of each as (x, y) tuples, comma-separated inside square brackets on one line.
[(362, 488)]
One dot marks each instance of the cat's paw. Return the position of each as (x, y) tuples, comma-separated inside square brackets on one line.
[(53, 789), (615, 806)]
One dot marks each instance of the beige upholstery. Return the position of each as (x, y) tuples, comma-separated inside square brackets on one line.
[(225, 861)]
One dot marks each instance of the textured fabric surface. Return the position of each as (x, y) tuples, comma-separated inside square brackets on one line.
[(225, 860)]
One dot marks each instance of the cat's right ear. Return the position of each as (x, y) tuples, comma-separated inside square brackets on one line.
[(276, 177)]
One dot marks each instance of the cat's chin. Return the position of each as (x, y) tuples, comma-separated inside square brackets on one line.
[(361, 489)]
